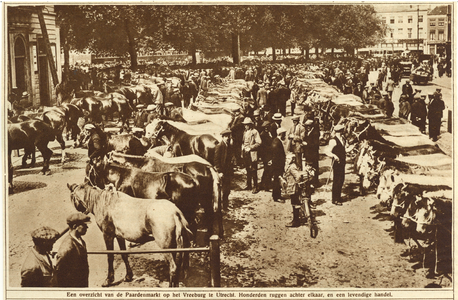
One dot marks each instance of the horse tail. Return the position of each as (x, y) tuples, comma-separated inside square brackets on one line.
[(182, 234)]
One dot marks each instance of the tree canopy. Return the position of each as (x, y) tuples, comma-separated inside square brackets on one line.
[(125, 30)]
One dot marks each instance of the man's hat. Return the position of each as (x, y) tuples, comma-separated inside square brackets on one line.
[(277, 117), (237, 109), (167, 104), (338, 127), (89, 126), (137, 129), (384, 93), (295, 118), (256, 112), (308, 122), (160, 83), (247, 121), (140, 106), (438, 89), (377, 96), (151, 107), (25, 94), (226, 132), (430, 94), (78, 218), (280, 130), (45, 233), (407, 81), (265, 124)]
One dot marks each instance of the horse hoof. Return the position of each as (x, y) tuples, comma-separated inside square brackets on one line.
[(107, 283), (128, 278)]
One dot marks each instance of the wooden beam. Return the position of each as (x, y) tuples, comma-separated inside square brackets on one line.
[(44, 31)]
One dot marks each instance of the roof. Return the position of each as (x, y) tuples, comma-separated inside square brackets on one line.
[(438, 10), (396, 8)]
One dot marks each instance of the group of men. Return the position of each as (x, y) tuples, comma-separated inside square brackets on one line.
[(70, 267)]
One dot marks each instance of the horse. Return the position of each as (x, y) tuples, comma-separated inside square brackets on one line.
[(72, 115), (91, 105), (136, 220), (56, 118), (180, 188), (120, 143), (202, 145), (209, 189), (27, 135)]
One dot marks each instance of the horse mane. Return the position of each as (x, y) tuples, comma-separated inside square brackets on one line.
[(94, 195)]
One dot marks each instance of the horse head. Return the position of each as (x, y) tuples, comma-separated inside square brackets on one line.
[(77, 197)]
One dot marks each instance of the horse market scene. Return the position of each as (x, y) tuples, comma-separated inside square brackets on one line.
[(235, 146)]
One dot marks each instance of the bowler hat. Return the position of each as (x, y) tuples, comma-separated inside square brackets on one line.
[(78, 218)]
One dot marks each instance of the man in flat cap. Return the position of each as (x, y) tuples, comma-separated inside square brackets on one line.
[(72, 268), (223, 165), (140, 116), (336, 150), (407, 89), (250, 144), (37, 269)]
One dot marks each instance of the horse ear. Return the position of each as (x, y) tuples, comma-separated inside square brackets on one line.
[(71, 187)]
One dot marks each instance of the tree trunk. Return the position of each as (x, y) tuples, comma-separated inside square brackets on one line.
[(307, 53), (132, 50), (332, 52), (274, 54), (193, 54), (236, 48), (317, 52), (66, 62)]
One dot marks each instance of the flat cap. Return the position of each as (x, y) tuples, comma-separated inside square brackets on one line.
[(237, 109), (137, 129), (45, 233), (78, 218), (308, 122), (281, 130), (226, 132), (167, 104), (338, 127), (89, 126), (139, 106), (438, 89), (247, 121), (151, 107), (277, 116)]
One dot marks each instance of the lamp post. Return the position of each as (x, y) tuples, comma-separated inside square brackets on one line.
[(418, 28)]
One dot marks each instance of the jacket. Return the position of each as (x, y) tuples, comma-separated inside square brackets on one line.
[(252, 139), (278, 153), (295, 136), (72, 268), (223, 158), (37, 270)]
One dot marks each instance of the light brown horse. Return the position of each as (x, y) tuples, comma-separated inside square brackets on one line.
[(123, 217)]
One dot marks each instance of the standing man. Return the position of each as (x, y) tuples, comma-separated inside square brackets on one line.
[(390, 87), (37, 269), (265, 153), (72, 268), (223, 165), (435, 108), (236, 127), (311, 146), (98, 141), (418, 113), (408, 90), (295, 136), (276, 118), (404, 107), (136, 146), (336, 150), (261, 96), (250, 144), (278, 163)]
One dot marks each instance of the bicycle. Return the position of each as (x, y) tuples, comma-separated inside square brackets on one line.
[(305, 209)]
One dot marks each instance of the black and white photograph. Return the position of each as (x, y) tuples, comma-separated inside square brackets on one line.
[(250, 150)]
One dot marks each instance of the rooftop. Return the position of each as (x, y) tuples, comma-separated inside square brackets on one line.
[(396, 8), (439, 10)]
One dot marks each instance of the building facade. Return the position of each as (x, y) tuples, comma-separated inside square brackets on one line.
[(28, 64), (439, 27)]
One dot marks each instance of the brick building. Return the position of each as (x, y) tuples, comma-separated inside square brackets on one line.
[(439, 26)]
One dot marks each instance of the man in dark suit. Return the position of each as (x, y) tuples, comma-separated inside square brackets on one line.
[(237, 128), (72, 268), (223, 165), (435, 108), (408, 90), (278, 163)]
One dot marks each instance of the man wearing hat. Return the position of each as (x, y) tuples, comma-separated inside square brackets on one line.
[(37, 269), (418, 113), (223, 165), (257, 120), (250, 144), (136, 146), (152, 113), (386, 105), (278, 159), (98, 141), (276, 118), (336, 150), (435, 108), (311, 146), (295, 138), (186, 91), (265, 153), (261, 96), (72, 268), (407, 89), (284, 93), (236, 127), (140, 116)]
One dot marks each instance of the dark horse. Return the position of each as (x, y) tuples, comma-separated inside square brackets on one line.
[(27, 135), (180, 188), (184, 143), (123, 217), (207, 177), (91, 106), (72, 114), (56, 118)]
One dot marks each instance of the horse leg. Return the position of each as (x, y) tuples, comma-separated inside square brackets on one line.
[(122, 246), (174, 278), (10, 173), (61, 141), (109, 245), (46, 153)]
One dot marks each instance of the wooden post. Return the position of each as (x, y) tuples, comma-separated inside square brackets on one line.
[(44, 31), (215, 268), (449, 121)]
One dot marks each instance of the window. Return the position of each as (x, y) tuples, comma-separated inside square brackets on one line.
[(391, 20), (409, 19), (400, 19), (432, 24), (432, 35), (384, 20), (420, 19), (409, 33), (440, 35), (440, 23), (391, 35), (420, 32)]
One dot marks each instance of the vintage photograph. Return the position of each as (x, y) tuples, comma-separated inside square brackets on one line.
[(219, 145)]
